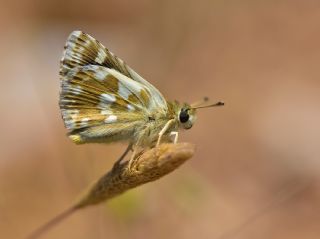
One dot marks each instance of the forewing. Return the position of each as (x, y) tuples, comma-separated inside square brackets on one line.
[(81, 49)]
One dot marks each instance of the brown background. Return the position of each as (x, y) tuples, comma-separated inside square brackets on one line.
[(260, 57)]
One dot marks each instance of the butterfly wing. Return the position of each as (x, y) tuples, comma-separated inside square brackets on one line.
[(100, 104), (102, 99), (81, 49)]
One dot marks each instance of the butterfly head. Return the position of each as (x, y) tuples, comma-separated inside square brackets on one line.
[(187, 113), (187, 116)]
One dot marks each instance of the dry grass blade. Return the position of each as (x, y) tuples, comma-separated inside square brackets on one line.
[(147, 167)]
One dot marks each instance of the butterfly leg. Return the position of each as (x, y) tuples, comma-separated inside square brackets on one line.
[(135, 148), (164, 130), (175, 135), (118, 162), (132, 158)]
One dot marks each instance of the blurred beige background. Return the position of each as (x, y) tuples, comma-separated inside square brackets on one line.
[(260, 57)]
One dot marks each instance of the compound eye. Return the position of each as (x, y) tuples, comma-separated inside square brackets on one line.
[(184, 116)]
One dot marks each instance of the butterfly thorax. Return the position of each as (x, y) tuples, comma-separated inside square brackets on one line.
[(147, 133), (180, 116)]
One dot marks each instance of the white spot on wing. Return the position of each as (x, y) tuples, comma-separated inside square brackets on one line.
[(106, 112), (70, 124), (69, 117), (130, 84), (77, 90), (107, 98), (111, 119), (69, 113), (101, 56), (130, 107), (101, 75), (84, 122), (77, 33), (128, 87), (71, 45), (157, 100), (123, 91)]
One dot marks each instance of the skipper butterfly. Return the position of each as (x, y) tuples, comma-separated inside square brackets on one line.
[(102, 100)]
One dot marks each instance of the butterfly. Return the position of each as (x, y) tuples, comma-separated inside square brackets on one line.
[(102, 100)]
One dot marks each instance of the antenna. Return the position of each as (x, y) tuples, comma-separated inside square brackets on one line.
[(200, 104)]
